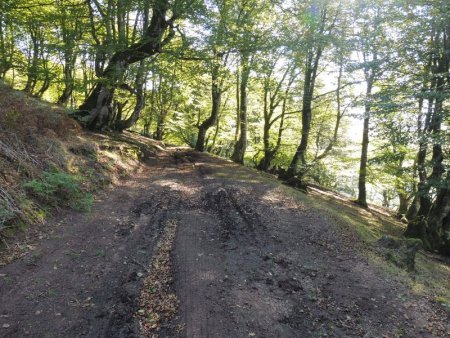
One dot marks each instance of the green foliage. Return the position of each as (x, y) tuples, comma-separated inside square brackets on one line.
[(5, 216), (60, 189)]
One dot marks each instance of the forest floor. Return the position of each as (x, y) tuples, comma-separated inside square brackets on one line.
[(196, 246)]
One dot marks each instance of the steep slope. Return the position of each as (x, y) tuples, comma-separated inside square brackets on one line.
[(47, 162)]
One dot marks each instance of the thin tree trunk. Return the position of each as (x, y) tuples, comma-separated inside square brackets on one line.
[(241, 145), (298, 166), (369, 74), (216, 95), (238, 116), (160, 126), (308, 91), (121, 125), (33, 63), (69, 66), (362, 194)]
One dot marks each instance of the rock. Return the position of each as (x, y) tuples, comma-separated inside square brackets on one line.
[(400, 251)]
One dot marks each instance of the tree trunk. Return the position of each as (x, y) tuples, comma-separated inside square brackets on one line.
[(241, 144), (160, 126), (300, 154), (362, 194), (432, 223), (216, 94), (33, 63), (403, 204), (238, 122), (5, 59), (294, 175), (263, 164), (69, 66), (369, 74), (438, 231), (97, 109), (121, 125)]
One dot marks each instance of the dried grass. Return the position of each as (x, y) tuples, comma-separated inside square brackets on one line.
[(31, 136)]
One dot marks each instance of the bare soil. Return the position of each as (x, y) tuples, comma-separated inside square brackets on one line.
[(247, 260)]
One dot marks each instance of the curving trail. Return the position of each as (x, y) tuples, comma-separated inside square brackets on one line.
[(248, 260)]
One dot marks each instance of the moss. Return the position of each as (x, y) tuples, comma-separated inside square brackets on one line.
[(414, 242)]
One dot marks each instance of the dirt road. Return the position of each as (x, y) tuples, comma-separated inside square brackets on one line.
[(248, 260)]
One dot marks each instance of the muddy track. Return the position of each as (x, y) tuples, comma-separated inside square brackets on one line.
[(247, 261)]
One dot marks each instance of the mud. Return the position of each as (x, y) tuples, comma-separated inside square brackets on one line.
[(248, 261)]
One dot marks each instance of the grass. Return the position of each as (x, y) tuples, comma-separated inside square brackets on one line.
[(431, 277), (47, 162), (73, 254), (60, 189)]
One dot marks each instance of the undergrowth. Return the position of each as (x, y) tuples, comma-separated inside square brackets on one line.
[(60, 189), (47, 162), (431, 276)]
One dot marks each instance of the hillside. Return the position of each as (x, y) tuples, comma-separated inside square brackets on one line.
[(47, 163), (119, 236)]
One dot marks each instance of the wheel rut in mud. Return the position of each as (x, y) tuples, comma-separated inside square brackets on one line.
[(248, 260)]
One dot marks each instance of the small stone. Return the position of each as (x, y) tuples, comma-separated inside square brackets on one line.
[(5, 326), (38, 312)]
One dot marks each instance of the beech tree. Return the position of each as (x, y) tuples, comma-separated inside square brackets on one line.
[(319, 26), (272, 84)]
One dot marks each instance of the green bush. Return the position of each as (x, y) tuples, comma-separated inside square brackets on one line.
[(5, 216), (60, 189)]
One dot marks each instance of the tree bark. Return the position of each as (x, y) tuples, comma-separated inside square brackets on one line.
[(33, 61), (5, 57), (362, 194), (369, 74), (241, 144), (97, 108), (120, 125), (69, 66), (308, 91), (297, 169), (432, 223), (160, 126), (236, 131), (216, 95)]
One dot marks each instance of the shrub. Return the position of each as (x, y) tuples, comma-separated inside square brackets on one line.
[(60, 189), (5, 216)]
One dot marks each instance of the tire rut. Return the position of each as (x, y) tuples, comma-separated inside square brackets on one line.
[(236, 218), (122, 322)]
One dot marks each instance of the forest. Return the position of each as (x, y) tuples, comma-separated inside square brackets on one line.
[(349, 95)]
